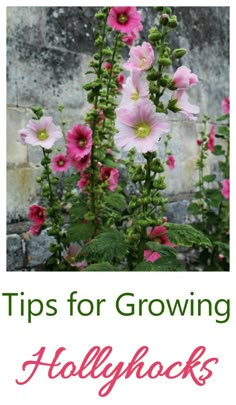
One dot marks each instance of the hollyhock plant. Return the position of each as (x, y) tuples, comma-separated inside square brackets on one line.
[(42, 132), (140, 127), (111, 176), (171, 162), (184, 105), (141, 57), (79, 141), (37, 214), (135, 88), (124, 19), (183, 78), (225, 191), (60, 163), (225, 105), (35, 230), (211, 139)]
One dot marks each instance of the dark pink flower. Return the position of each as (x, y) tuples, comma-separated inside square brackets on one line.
[(121, 79), (79, 141), (220, 257), (171, 162), (225, 105), (183, 78), (124, 19), (60, 163), (159, 234), (35, 230), (225, 191), (211, 139), (84, 180), (199, 142), (111, 176), (129, 39), (151, 256), (107, 65), (80, 164), (37, 214)]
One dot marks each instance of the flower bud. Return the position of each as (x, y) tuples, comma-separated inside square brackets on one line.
[(156, 166), (164, 61), (152, 76), (173, 22), (155, 36), (166, 81), (164, 19), (179, 53), (100, 15), (199, 142), (167, 10)]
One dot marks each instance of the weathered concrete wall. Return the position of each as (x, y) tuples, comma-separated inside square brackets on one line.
[(48, 54)]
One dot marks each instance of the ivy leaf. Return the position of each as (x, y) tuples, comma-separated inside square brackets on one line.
[(209, 178), (186, 235), (105, 266), (106, 246), (115, 200)]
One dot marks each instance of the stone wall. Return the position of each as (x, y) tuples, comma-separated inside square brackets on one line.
[(48, 51)]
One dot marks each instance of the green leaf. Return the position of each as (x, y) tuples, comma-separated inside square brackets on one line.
[(110, 163), (218, 150), (214, 197), (209, 178), (77, 212), (163, 250), (106, 246), (105, 266), (115, 200), (186, 235), (168, 263), (223, 131), (80, 231), (194, 209), (223, 117), (144, 266)]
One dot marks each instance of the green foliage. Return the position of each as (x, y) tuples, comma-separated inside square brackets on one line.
[(209, 178), (115, 200), (167, 263), (218, 150), (163, 250), (187, 235), (105, 266), (106, 247), (194, 209), (80, 231)]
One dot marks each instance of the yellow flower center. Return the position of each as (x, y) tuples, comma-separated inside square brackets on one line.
[(135, 96), (143, 62), (42, 135), (122, 18), (61, 163), (142, 130)]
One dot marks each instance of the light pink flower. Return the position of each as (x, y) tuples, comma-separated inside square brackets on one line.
[(159, 234), (124, 19), (151, 256), (225, 105), (42, 132), (84, 180), (80, 164), (225, 191), (211, 139), (140, 127), (60, 163), (37, 214), (79, 141), (71, 254), (171, 162), (135, 87), (183, 78), (35, 230), (184, 105), (141, 57), (111, 176)]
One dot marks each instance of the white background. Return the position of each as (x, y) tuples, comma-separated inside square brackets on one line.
[(169, 338)]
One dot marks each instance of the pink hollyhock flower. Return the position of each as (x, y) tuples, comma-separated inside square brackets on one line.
[(129, 39), (159, 234), (183, 78), (71, 254), (141, 57), (60, 163), (220, 257), (211, 139), (171, 162), (151, 256), (111, 176), (140, 127), (42, 132), (226, 188), (124, 19), (225, 105), (84, 180), (80, 164), (35, 230), (184, 105), (135, 87), (37, 214), (107, 65), (79, 141), (199, 142)]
